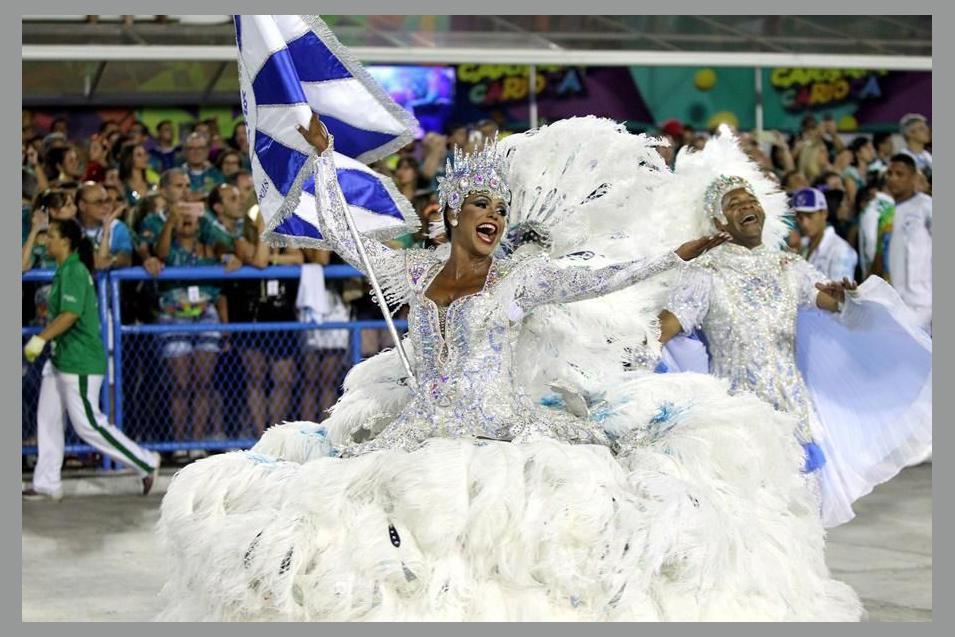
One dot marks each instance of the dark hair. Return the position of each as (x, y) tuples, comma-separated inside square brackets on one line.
[(233, 179), (233, 140), (824, 177), (144, 207), (879, 138), (447, 224), (903, 158), (407, 159), (50, 198), (53, 158), (142, 125), (126, 160), (71, 230), (215, 196), (225, 153)]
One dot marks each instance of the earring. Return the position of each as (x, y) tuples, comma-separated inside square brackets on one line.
[(453, 221)]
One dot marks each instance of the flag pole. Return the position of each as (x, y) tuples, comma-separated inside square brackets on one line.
[(379, 295)]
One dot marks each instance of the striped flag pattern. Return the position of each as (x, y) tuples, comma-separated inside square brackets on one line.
[(290, 66)]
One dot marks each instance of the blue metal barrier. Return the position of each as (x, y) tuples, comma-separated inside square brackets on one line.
[(135, 344)]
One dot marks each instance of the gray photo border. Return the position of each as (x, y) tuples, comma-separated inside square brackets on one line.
[(942, 97)]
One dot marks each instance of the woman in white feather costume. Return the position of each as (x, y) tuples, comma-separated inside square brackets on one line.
[(526, 476)]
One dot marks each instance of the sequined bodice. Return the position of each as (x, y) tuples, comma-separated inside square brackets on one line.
[(746, 302), (464, 359)]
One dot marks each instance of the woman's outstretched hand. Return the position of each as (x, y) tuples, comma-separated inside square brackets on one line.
[(692, 249), (316, 135)]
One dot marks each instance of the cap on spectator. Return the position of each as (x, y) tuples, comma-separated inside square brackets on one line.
[(911, 118), (51, 139), (809, 200), (672, 127)]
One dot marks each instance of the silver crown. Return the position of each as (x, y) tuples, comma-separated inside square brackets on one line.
[(718, 188), (480, 171)]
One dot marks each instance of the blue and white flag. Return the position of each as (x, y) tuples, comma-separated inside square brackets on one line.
[(290, 66)]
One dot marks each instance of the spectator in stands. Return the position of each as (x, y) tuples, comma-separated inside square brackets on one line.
[(111, 179), (28, 126), (489, 129), (813, 159), (62, 163), (910, 243), (210, 127), (884, 149), (780, 156), (407, 177), (53, 203), (227, 225), (268, 358), (876, 211), (117, 202), (97, 159), (229, 162), (821, 246), (863, 154), (436, 148), (324, 350), (191, 357), (203, 176), (246, 185), (110, 237), (165, 153), (134, 171), (174, 187), (138, 133), (918, 137), (60, 125), (153, 206), (240, 142), (793, 181), (34, 173)]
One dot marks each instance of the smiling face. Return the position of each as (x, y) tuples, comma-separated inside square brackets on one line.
[(481, 224), (744, 218)]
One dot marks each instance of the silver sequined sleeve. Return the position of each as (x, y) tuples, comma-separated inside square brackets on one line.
[(807, 276), (546, 281), (689, 299), (330, 205)]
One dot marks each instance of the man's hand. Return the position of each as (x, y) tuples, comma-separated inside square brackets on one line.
[(837, 289), (153, 266), (692, 249), (232, 263)]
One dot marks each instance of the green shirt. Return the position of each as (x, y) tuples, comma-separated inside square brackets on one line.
[(211, 232), (191, 300), (79, 350)]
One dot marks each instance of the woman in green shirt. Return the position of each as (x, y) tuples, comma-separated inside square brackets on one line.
[(74, 374)]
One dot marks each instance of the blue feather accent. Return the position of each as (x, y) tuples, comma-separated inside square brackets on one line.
[(552, 400), (815, 458)]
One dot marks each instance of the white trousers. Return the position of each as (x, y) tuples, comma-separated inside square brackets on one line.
[(78, 396)]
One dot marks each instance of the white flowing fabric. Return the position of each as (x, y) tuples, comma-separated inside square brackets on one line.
[(869, 374)]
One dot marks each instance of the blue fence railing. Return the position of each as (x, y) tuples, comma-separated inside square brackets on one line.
[(235, 377)]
